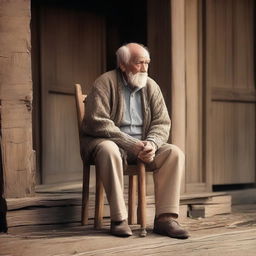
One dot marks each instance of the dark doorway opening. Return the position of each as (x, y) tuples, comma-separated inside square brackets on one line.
[(125, 23)]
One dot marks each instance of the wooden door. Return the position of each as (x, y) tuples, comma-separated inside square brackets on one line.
[(72, 51), (230, 81)]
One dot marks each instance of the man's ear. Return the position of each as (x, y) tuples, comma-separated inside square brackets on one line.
[(122, 67)]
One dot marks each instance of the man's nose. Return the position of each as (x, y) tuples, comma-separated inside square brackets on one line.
[(144, 67)]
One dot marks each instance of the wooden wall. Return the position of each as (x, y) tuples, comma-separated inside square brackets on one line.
[(175, 43), (72, 50), (220, 93), (203, 58), (197, 171), (230, 81), (16, 97)]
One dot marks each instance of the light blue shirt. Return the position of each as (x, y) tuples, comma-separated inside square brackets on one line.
[(133, 118)]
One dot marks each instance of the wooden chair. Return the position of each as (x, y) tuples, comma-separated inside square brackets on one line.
[(132, 170)]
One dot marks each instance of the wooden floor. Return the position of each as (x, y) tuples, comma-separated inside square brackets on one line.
[(227, 234), (48, 224)]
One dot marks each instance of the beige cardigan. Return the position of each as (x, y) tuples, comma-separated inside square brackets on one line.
[(104, 113)]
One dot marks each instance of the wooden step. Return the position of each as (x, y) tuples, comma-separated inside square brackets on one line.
[(43, 211), (64, 206), (213, 206)]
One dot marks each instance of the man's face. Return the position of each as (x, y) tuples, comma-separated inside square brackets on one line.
[(137, 64), (136, 70)]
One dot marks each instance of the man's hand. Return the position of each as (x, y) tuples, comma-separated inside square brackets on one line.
[(138, 147), (147, 154)]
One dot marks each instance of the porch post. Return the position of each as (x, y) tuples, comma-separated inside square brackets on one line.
[(178, 98), (16, 98), (178, 113), (166, 41)]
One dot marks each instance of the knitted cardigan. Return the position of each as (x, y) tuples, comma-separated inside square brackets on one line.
[(104, 109)]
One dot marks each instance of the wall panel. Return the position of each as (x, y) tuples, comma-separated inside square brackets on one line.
[(233, 136), (230, 82)]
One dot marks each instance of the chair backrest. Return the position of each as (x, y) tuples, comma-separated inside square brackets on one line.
[(80, 98)]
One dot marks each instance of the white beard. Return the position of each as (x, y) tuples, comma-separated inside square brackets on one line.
[(138, 80)]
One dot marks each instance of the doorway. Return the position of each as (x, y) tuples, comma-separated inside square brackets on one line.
[(72, 42)]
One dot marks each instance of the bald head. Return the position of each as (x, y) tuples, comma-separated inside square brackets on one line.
[(131, 52), (137, 50)]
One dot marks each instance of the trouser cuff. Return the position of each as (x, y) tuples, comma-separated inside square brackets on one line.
[(171, 209)]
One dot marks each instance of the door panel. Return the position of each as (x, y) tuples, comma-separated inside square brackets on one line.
[(230, 79), (233, 132), (72, 51)]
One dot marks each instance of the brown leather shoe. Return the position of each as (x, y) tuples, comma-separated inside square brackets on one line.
[(170, 228), (120, 228)]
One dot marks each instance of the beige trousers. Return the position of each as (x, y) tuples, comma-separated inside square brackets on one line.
[(167, 170)]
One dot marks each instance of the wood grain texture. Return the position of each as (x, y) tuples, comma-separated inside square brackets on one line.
[(230, 83), (233, 148), (194, 124), (72, 51), (16, 99), (234, 94), (230, 25), (234, 234), (56, 205), (132, 199), (178, 74)]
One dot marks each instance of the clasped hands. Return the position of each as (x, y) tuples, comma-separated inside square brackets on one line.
[(146, 151)]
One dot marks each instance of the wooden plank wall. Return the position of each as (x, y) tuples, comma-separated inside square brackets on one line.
[(72, 48), (197, 175), (230, 80), (220, 93), (16, 98)]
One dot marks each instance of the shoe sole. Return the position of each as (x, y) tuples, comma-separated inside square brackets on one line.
[(121, 235), (166, 234)]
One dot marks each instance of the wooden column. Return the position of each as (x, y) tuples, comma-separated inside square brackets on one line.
[(178, 113), (178, 99), (16, 98), (197, 173), (166, 41)]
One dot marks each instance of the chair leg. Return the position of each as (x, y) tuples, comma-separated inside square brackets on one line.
[(85, 195), (142, 197), (99, 203), (131, 199)]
